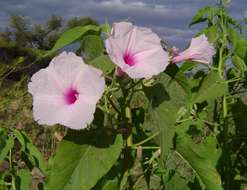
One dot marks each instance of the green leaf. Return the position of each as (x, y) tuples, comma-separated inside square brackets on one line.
[(239, 112), (92, 47), (199, 16), (105, 28), (5, 148), (211, 88), (178, 75), (32, 152), (205, 14), (187, 66), (72, 35), (177, 183), (202, 159), (82, 158), (24, 179), (166, 98), (239, 63), (111, 185), (103, 63), (239, 44), (212, 33)]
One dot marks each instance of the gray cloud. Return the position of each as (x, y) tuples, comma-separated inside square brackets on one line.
[(168, 18)]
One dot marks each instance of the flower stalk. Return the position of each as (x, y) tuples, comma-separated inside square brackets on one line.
[(129, 126)]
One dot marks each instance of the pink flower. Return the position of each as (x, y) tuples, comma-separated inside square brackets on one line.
[(200, 50), (136, 50), (119, 72), (174, 51), (66, 92)]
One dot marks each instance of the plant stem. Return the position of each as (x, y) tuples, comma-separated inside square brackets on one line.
[(225, 109), (113, 105), (146, 147), (228, 159), (11, 168), (129, 126), (135, 84), (147, 139), (233, 80), (225, 130), (220, 66), (10, 159), (128, 143), (128, 137), (13, 183)]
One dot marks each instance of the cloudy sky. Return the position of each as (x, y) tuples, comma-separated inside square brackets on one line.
[(169, 18)]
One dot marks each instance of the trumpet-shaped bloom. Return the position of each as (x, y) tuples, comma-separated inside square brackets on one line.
[(136, 50), (174, 51), (66, 92), (119, 72), (200, 50)]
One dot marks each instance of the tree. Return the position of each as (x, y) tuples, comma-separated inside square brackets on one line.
[(81, 21), (39, 36), (23, 39)]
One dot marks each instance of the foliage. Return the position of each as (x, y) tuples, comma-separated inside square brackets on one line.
[(183, 129)]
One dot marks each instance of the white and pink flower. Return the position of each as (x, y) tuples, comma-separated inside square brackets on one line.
[(66, 92), (200, 50), (136, 50)]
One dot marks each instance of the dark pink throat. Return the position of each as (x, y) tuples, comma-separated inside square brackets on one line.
[(70, 96), (129, 59)]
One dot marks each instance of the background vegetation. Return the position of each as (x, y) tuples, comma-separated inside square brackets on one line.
[(189, 125)]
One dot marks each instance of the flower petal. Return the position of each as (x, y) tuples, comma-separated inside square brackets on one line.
[(200, 50), (150, 62), (50, 87), (80, 114), (48, 109), (145, 54), (90, 83), (67, 66), (45, 81), (120, 29), (197, 41)]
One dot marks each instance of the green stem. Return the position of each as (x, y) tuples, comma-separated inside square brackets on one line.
[(228, 159), (10, 159), (135, 84), (146, 147), (225, 109), (102, 108), (234, 80), (129, 142), (13, 183), (221, 69), (128, 136), (129, 126), (147, 139), (113, 105), (220, 66), (10, 166)]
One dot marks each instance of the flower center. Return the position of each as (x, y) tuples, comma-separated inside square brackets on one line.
[(70, 96), (129, 59)]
